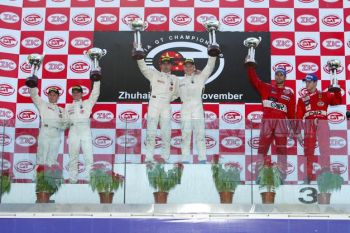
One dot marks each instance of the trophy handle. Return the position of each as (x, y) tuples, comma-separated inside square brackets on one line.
[(104, 52)]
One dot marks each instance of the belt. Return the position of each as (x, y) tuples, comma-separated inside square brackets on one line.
[(78, 124), (48, 126), (315, 112)]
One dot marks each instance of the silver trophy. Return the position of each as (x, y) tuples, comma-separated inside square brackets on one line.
[(251, 43), (333, 66), (34, 61), (212, 26), (137, 26), (95, 55)]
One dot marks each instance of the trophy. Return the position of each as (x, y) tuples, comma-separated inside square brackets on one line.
[(212, 26), (137, 26), (35, 61), (333, 66), (251, 43), (95, 55)]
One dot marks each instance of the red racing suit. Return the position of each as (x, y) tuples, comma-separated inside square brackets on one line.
[(313, 108), (278, 106)]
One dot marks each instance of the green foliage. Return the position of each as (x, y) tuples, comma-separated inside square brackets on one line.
[(105, 181), (48, 181), (328, 182), (226, 177), (5, 183), (164, 181), (269, 177)]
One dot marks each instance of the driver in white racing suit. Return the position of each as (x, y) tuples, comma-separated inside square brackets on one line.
[(78, 114), (52, 119), (163, 90), (192, 115)]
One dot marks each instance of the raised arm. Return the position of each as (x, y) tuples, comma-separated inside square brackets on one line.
[(95, 93), (145, 70), (255, 80), (34, 95), (208, 69)]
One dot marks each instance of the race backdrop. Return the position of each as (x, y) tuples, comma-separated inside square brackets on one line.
[(300, 35)]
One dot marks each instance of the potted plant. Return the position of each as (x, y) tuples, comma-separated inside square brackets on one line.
[(328, 182), (226, 178), (5, 182), (269, 179), (163, 181), (48, 181), (106, 182)]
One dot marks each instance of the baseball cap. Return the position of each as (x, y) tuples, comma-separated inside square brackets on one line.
[(281, 70), (53, 89), (310, 77), (166, 58), (189, 60), (77, 88)]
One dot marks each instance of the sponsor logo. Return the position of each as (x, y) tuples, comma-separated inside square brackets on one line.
[(7, 65), (24, 91), (129, 18), (129, 116), (307, 44), (290, 168), (6, 114), (6, 89), (103, 165), (25, 140), (103, 116), (209, 116), (106, 19), (156, 19), (80, 42), (181, 19), (308, 67), (27, 116), (282, 43), (254, 142), (288, 67), (102, 141), (82, 19), (332, 43), (337, 142), (9, 17), (176, 117), (32, 19), (306, 1), (205, 17), (56, 43), (255, 116), (60, 90), (24, 166), (335, 117), (231, 142), (25, 67), (4, 164), (232, 117), (54, 66), (158, 142), (290, 143), (5, 139), (57, 19), (8, 41), (209, 142), (282, 20), (31, 42), (176, 141), (256, 19), (306, 20), (80, 67), (338, 167), (331, 20), (338, 71), (231, 20), (127, 141)]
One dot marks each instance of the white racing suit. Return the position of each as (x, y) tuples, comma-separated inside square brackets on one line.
[(192, 114), (78, 114), (163, 91), (52, 119)]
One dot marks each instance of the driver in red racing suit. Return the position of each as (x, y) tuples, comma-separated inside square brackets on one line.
[(278, 106), (313, 108)]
